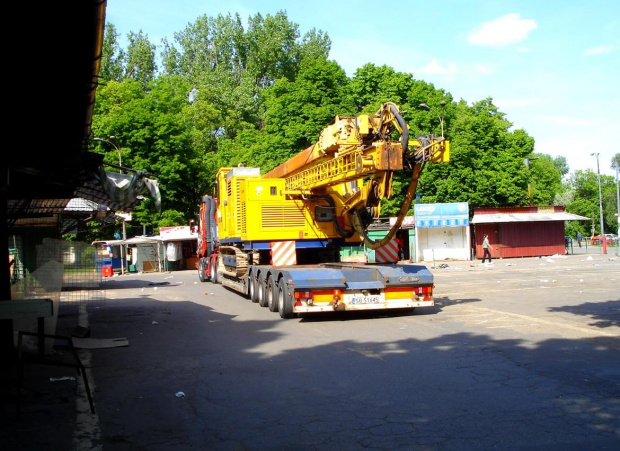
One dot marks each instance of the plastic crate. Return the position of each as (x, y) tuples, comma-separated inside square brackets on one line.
[(107, 271)]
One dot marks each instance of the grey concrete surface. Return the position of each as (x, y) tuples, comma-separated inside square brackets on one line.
[(523, 354)]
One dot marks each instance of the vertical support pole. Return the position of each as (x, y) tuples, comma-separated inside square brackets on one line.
[(123, 251)]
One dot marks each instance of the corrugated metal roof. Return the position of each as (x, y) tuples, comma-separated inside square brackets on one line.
[(79, 204), (526, 217), (148, 239)]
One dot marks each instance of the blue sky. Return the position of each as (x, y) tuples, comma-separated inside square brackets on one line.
[(553, 66)]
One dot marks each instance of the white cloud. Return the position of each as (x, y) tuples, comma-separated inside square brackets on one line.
[(503, 31), (516, 103), (571, 147), (434, 68), (567, 121), (352, 54), (484, 70), (599, 50)]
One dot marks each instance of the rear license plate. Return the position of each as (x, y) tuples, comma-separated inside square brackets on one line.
[(359, 299)]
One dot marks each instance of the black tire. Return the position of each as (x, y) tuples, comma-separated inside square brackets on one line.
[(202, 270), (213, 263), (261, 289), (272, 289), (284, 300), (252, 288)]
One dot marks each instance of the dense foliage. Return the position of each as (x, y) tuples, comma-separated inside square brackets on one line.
[(256, 95)]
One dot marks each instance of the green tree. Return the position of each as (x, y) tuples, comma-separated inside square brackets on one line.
[(155, 131), (140, 59), (296, 112), (583, 186), (315, 45), (546, 179), (208, 45), (112, 56), (615, 162), (272, 49), (257, 96), (561, 165), (486, 162), (374, 85), (608, 191), (230, 66), (137, 62)]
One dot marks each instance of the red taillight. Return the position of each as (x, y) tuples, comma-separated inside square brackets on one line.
[(424, 290), (305, 296)]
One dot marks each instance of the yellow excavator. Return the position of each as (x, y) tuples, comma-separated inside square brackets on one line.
[(277, 237)]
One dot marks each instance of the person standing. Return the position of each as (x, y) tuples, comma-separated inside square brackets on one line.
[(400, 241), (485, 247), (579, 238)]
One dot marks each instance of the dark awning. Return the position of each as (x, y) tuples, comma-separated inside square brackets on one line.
[(493, 218)]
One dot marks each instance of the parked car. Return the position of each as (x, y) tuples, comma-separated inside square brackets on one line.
[(612, 239)]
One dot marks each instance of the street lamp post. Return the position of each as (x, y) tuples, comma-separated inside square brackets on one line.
[(424, 106), (600, 204), (113, 145), (120, 165), (529, 183)]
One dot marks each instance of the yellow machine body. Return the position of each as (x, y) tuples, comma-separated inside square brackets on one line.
[(253, 208)]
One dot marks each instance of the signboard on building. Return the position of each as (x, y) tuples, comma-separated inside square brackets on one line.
[(441, 215), (177, 233), (407, 221)]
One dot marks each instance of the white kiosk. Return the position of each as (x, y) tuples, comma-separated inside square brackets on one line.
[(442, 232)]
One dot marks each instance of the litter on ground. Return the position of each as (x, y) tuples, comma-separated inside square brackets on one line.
[(64, 378)]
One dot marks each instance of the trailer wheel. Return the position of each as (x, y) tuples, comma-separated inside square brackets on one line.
[(202, 270), (272, 289), (261, 288), (252, 290), (213, 271), (285, 300)]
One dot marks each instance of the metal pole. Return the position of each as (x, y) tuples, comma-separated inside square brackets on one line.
[(124, 246), (617, 209), (529, 182), (600, 204), (124, 260), (120, 165)]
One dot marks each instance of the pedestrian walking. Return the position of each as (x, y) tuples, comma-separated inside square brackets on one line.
[(485, 247), (400, 241), (579, 238)]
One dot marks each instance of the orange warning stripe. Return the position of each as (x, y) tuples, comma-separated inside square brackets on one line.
[(283, 253), (387, 253)]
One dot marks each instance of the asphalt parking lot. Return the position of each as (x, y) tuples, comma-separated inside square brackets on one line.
[(536, 331)]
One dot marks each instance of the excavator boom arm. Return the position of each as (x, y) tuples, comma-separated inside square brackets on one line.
[(353, 162)]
